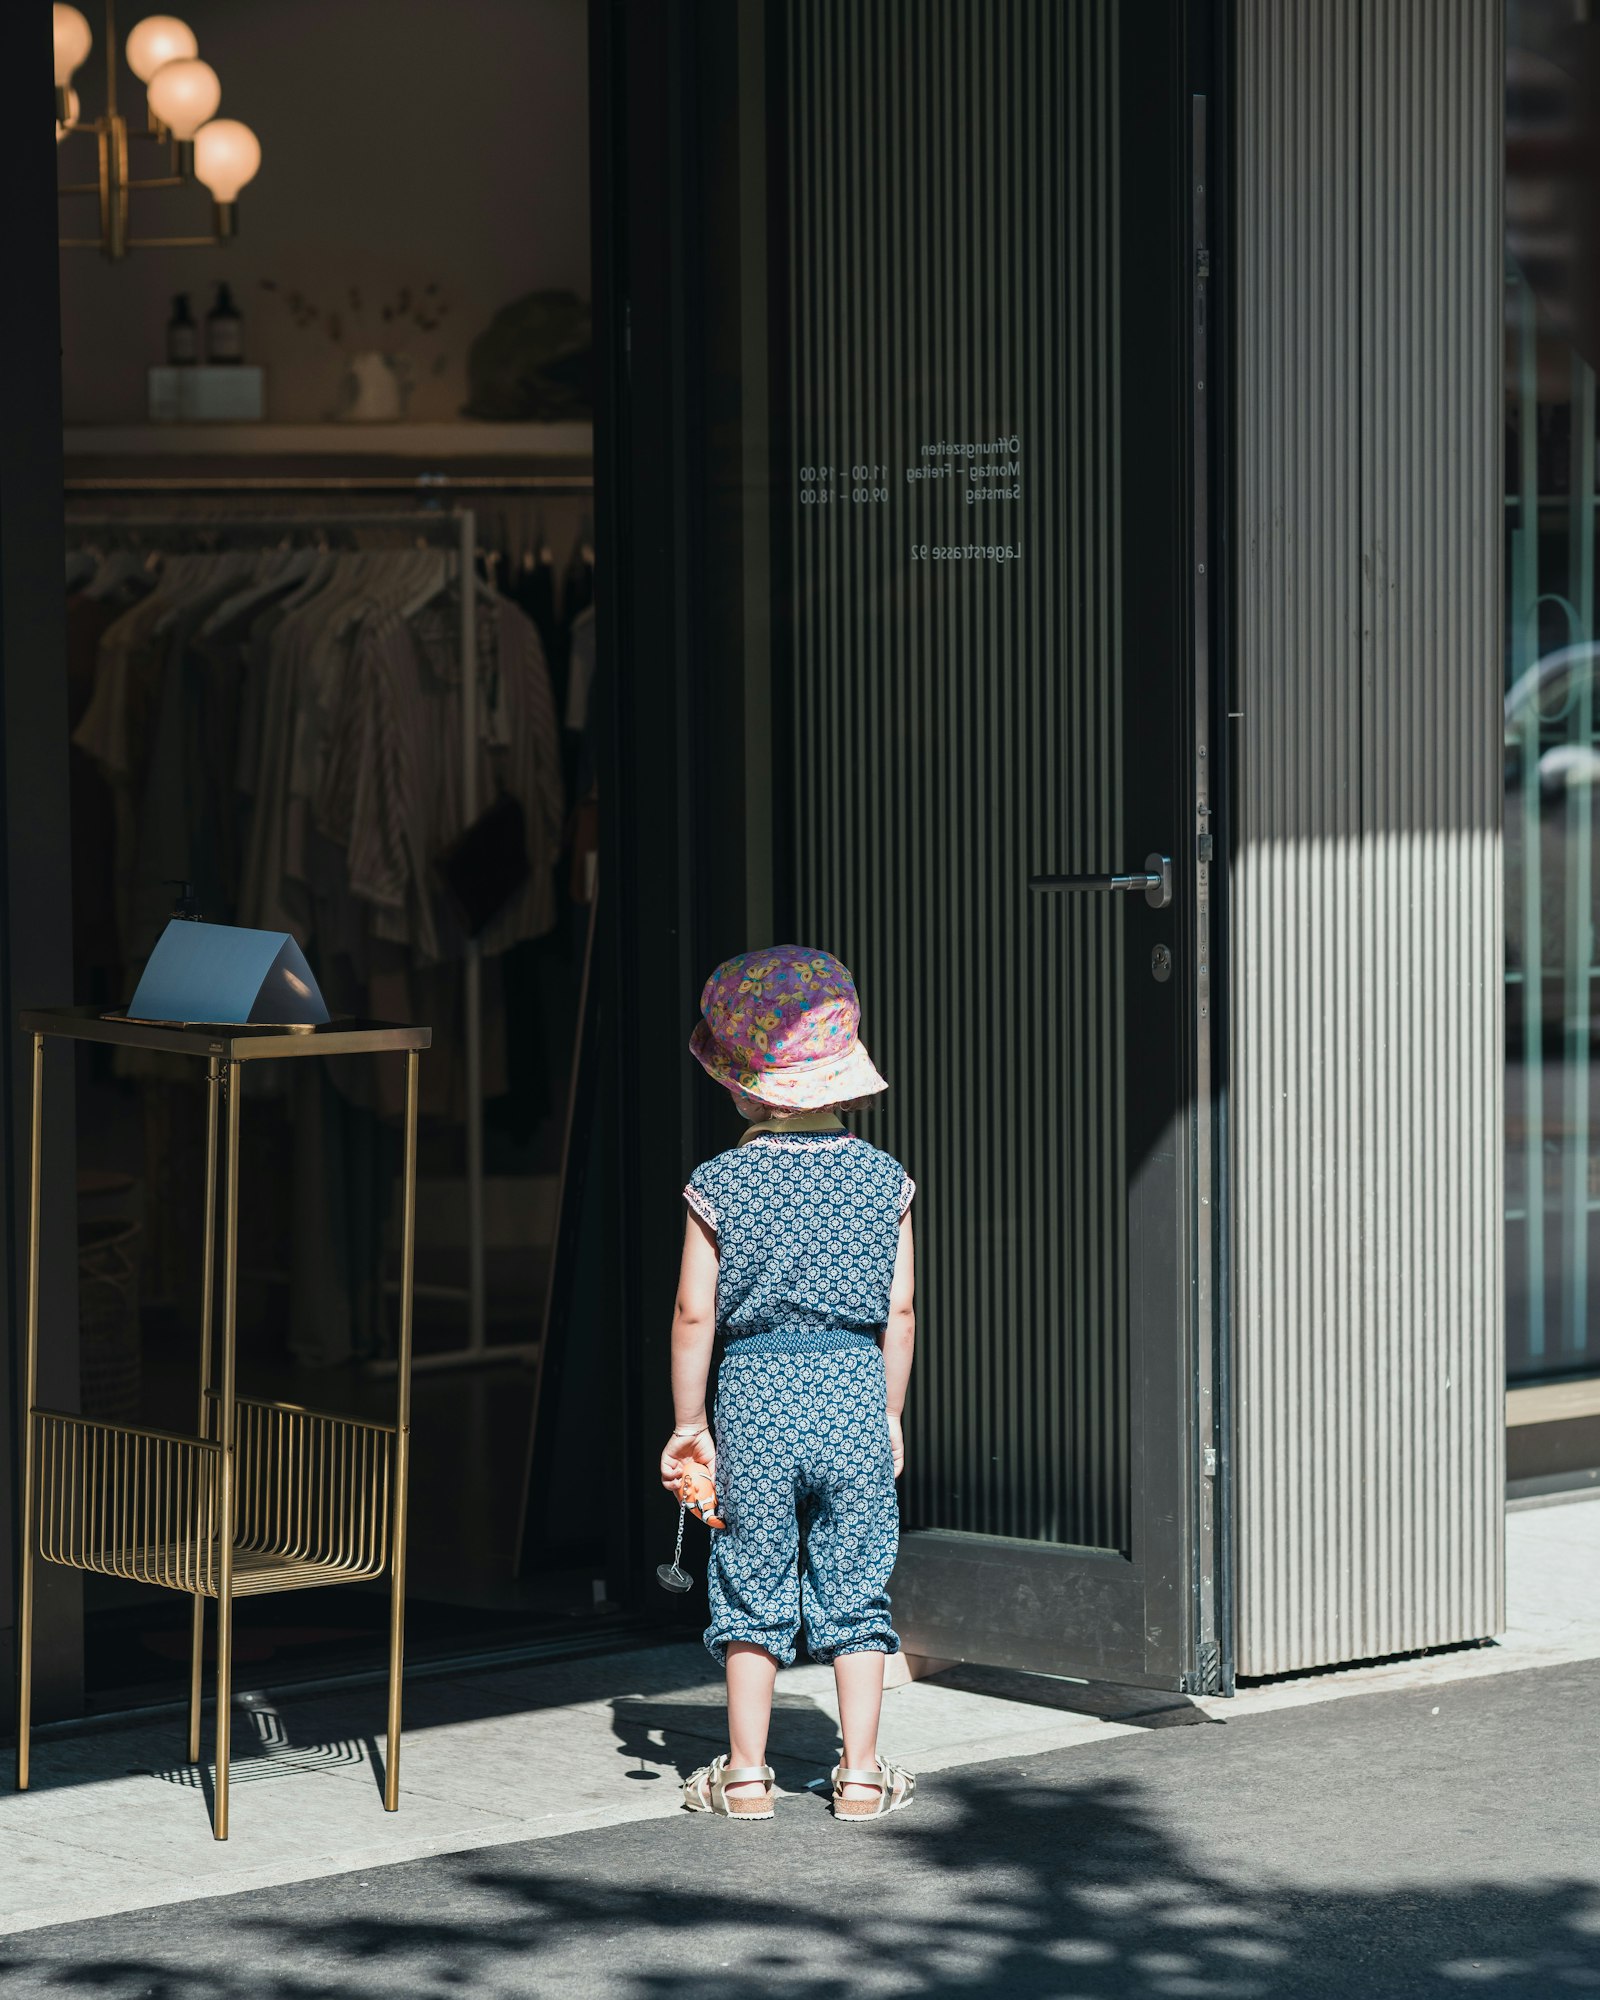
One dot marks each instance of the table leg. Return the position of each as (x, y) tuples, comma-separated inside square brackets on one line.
[(29, 1398), (208, 1281), (225, 1466), (402, 1442)]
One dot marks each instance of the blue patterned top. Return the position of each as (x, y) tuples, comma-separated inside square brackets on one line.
[(807, 1226)]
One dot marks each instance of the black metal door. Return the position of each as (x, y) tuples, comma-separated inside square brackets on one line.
[(937, 291)]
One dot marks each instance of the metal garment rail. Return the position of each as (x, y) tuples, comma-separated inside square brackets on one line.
[(424, 485), (460, 526)]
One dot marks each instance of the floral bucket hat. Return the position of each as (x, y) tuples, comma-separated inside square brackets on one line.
[(783, 1026)]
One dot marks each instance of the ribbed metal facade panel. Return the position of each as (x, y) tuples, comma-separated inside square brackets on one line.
[(957, 724), (1365, 1036)]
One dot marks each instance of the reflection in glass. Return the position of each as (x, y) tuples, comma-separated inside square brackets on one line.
[(1552, 747)]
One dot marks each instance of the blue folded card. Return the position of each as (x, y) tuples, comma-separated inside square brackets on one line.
[(236, 978)]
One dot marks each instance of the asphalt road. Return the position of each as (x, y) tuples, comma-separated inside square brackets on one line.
[(1438, 1843)]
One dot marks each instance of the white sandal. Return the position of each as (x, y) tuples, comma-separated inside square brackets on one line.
[(896, 1789), (706, 1790)]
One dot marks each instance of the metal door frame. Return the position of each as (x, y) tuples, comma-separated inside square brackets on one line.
[(1102, 1614), (1099, 1614)]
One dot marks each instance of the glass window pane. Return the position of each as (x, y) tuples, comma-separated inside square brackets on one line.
[(1552, 715)]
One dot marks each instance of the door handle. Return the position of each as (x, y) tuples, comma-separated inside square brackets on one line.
[(1156, 881)]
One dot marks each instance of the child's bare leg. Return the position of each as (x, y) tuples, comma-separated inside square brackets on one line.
[(859, 1680), (751, 1674)]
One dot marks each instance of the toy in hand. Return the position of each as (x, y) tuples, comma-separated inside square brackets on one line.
[(698, 1490)]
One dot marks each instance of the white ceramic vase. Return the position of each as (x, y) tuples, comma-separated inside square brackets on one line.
[(375, 389)]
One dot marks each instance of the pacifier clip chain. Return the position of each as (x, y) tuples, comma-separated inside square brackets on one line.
[(672, 1576)]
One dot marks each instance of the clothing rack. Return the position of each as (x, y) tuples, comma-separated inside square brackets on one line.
[(425, 485), (460, 525)]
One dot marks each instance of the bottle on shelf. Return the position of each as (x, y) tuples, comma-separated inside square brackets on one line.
[(183, 336), (224, 330)]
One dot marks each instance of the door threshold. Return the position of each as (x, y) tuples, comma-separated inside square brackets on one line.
[(1100, 1701)]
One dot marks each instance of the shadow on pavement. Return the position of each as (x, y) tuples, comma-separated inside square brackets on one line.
[(804, 1736), (1009, 1880)]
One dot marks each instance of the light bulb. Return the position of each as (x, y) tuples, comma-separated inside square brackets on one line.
[(184, 94), (71, 117), (226, 156), (158, 39), (74, 40)]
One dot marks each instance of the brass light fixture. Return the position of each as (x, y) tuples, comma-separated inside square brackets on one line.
[(182, 95)]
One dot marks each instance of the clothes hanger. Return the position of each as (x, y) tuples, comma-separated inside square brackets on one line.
[(430, 582), (216, 569), (172, 572), (334, 572), (449, 576), (115, 567), (275, 570)]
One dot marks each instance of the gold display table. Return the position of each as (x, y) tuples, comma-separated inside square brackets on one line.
[(263, 1496)]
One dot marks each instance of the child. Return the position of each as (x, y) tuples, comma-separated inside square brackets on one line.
[(797, 1250)]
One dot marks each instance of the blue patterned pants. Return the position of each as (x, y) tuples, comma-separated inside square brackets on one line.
[(805, 1477)]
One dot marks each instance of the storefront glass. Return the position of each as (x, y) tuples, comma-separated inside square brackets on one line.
[(1552, 703), (404, 366)]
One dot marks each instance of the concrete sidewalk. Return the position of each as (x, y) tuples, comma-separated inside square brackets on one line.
[(116, 1824), (1422, 1844)]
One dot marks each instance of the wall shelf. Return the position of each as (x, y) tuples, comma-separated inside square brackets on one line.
[(448, 440), (1554, 1402)]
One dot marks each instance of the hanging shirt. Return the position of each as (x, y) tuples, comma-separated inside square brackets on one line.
[(392, 789)]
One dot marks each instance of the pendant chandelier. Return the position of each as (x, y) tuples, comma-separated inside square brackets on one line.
[(182, 94)]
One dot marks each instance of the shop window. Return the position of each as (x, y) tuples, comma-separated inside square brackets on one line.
[(1552, 701)]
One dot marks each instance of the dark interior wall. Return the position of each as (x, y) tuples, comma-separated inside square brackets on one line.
[(404, 143), (642, 438), (736, 347), (672, 437), (35, 860)]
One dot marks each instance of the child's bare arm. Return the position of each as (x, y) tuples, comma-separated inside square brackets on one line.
[(694, 1328), (900, 1336)]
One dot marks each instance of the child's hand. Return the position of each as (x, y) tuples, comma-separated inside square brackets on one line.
[(897, 1445), (679, 1450)]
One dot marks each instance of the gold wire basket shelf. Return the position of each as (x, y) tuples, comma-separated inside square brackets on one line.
[(311, 1499), (260, 1496)]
